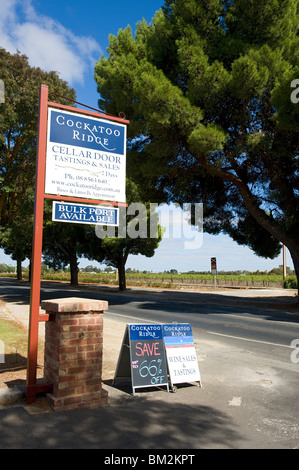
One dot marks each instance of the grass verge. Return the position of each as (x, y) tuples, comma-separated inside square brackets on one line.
[(15, 340)]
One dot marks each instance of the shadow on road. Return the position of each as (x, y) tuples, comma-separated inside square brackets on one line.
[(141, 423)]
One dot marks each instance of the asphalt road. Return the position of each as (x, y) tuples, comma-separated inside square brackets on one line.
[(249, 397), (253, 323)]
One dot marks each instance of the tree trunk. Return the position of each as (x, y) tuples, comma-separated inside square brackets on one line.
[(19, 270), (122, 274), (30, 270), (74, 269)]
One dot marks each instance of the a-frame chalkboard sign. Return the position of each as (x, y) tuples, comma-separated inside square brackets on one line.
[(181, 354), (142, 357)]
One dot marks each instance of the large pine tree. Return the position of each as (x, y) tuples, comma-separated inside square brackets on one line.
[(207, 87)]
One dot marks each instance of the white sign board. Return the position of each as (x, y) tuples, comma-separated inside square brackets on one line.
[(183, 365), (181, 353), (86, 157)]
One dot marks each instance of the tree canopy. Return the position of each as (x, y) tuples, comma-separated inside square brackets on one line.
[(207, 88), (62, 243), (18, 134), (138, 233)]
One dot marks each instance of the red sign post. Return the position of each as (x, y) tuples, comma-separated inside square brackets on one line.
[(214, 270), (32, 389)]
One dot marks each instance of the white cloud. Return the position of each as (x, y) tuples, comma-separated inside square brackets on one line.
[(46, 42)]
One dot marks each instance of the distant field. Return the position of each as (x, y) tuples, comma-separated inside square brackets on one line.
[(178, 280)]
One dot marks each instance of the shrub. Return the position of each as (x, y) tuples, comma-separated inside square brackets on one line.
[(290, 283)]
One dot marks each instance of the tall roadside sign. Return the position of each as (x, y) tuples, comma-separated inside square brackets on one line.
[(214, 270), (81, 158), (86, 156)]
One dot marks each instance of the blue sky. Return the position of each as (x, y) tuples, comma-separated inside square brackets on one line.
[(69, 37)]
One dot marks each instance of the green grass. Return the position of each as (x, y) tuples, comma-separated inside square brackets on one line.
[(15, 339), (14, 336)]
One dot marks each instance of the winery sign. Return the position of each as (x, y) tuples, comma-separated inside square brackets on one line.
[(81, 166), (86, 157)]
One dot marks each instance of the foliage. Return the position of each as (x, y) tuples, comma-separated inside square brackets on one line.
[(107, 278), (163, 280), (18, 134), (291, 283), (5, 268), (114, 248), (62, 245), (207, 88), (91, 269)]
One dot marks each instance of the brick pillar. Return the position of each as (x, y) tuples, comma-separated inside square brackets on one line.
[(73, 353)]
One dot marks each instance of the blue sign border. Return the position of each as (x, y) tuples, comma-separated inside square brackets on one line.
[(84, 214)]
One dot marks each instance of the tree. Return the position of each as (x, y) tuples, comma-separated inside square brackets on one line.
[(91, 269), (63, 243), (17, 242), (131, 237), (207, 88), (16, 236), (18, 133)]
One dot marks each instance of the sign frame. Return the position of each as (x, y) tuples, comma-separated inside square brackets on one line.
[(129, 365), (180, 350), (32, 388)]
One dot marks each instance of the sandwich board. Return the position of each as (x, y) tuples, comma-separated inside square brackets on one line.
[(142, 357), (181, 354)]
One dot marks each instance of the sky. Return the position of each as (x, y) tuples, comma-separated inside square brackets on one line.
[(69, 37)]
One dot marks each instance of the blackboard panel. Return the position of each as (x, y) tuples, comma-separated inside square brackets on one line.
[(147, 355), (148, 364)]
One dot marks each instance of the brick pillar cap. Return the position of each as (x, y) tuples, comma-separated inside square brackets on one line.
[(74, 304)]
